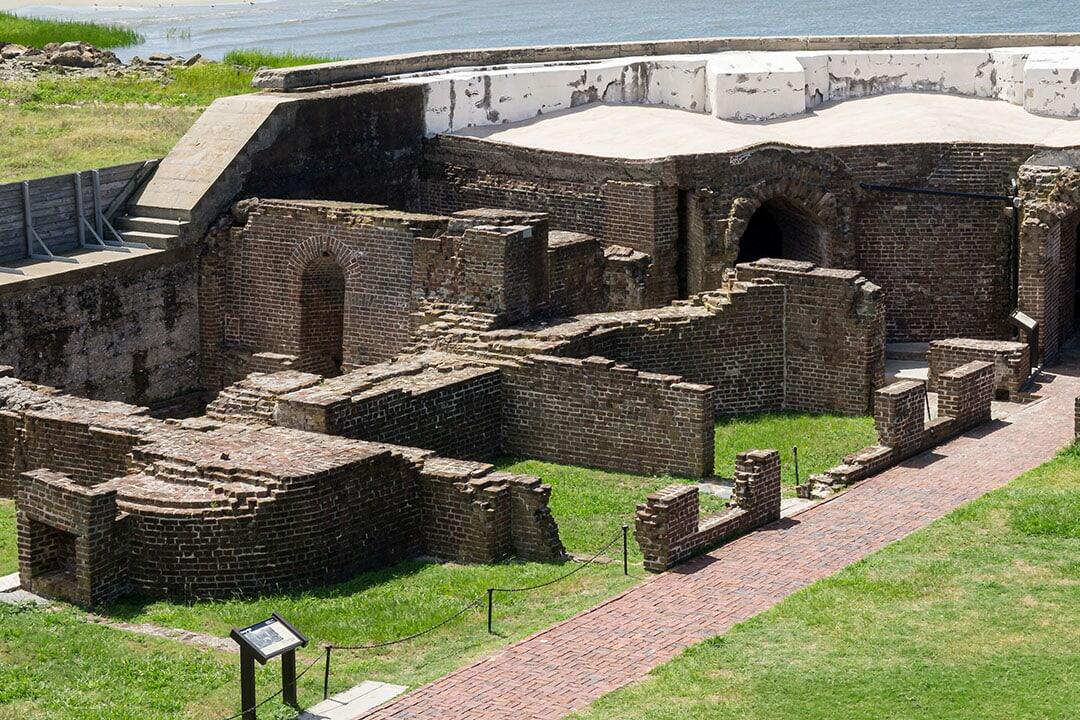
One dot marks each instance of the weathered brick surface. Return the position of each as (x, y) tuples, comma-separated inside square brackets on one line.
[(940, 261), (595, 412), (1012, 362), (834, 335), (576, 269), (440, 403), (668, 527), (126, 330), (565, 667)]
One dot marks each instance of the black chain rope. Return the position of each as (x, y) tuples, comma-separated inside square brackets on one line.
[(579, 568), (258, 705), (388, 643)]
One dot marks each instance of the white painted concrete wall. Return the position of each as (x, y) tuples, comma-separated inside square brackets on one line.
[(751, 86)]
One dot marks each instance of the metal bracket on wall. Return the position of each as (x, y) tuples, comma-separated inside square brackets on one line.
[(96, 231), (33, 240)]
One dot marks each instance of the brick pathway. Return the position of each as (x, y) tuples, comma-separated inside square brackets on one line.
[(571, 664)]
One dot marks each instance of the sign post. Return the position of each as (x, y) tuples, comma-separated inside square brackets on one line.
[(264, 641)]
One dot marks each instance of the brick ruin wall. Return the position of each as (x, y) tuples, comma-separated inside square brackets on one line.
[(738, 350), (454, 409), (965, 394), (1011, 360), (943, 263), (127, 330), (668, 526), (212, 508), (594, 412), (833, 335)]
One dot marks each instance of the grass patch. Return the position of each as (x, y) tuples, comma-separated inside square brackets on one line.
[(255, 58), (39, 142), (196, 86), (37, 32), (9, 556), (972, 617), (823, 441), (590, 506)]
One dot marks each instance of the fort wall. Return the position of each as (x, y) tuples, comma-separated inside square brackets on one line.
[(123, 330)]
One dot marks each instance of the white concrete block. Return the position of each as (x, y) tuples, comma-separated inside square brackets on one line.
[(1052, 86), (756, 86)]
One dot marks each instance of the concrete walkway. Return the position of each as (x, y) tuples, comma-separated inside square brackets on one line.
[(569, 665)]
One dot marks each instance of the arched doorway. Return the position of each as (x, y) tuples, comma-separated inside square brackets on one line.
[(781, 229), (322, 316)]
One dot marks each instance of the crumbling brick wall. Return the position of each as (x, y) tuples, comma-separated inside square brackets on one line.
[(594, 412), (736, 346), (576, 273), (72, 541), (900, 415), (668, 527), (1012, 362), (204, 508), (453, 410), (833, 333), (471, 514)]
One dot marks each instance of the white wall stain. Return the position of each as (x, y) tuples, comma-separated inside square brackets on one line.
[(750, 86)]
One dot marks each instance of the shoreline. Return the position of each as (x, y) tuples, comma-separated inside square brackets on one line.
[(112, 4)]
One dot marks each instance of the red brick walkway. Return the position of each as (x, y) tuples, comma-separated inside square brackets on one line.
[(571, 664)]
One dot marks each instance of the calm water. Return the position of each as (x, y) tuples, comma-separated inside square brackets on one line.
[(364, 28)]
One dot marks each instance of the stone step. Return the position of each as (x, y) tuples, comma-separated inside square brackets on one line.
[(150, 211), (157, 241), (162, 226)]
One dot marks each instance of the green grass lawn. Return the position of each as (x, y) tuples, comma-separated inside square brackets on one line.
[(59, 124), (37, 32), (9, 558), (590, 506), (823, 440), (976, 616)]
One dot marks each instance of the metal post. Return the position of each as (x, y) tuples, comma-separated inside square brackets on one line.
[(79, 224), (288, 679), (98, 218), (247, 684), (326, 675), (625, 543), (795, 452), (927, 395), (491, 602), (28, 220)]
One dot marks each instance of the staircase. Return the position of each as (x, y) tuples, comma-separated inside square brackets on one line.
[(156, 232)]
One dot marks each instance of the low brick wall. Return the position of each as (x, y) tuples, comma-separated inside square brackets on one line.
[(597, 413), (964, 401), (471, 514), (72, 541), (213, 509), (1012, 362), (669, 530)]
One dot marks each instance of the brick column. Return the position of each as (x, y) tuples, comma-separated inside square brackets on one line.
[(965, 393), (899, 414), (757, 484), (663, 522)]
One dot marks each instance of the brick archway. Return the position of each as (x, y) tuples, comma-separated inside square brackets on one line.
[(322, 274), (816, 230)]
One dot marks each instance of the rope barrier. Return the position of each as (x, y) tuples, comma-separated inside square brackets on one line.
[(375, 646), (579, 568)]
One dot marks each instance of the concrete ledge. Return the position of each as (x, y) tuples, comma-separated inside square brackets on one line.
[(310, 76)]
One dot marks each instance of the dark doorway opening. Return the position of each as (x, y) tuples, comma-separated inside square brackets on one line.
[(781, 229), (322, 317)]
